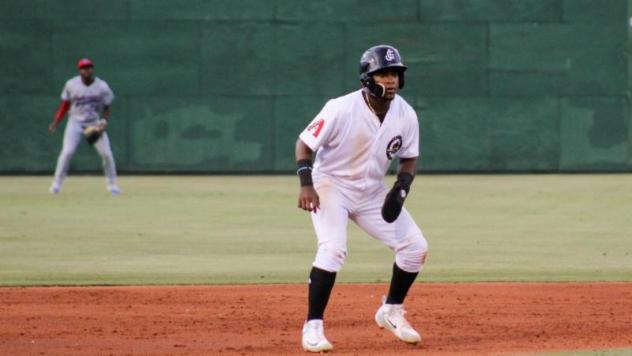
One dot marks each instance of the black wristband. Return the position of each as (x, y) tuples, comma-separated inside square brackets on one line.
[(404, 180), (304, 172)]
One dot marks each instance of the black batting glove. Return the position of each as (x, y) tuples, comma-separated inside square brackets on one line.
[(395, 198)]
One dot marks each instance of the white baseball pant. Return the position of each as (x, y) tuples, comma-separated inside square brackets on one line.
[(338, 205), (72, 137)]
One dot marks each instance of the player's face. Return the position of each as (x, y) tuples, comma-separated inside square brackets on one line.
[(389, 78), (85, 72)]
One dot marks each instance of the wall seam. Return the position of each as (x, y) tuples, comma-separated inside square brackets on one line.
[(559, 133), (274, 99), (487, 58)]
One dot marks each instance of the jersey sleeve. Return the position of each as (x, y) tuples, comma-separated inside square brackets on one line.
[(108, 95), (65, 93), (410, 144), (321, 129)]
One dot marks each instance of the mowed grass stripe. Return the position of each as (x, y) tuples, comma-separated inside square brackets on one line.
[(247, 229)]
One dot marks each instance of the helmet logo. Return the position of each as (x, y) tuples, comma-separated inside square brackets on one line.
[(390, 55)]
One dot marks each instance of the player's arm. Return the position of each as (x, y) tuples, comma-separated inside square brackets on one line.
[(106, 118), (407, 165), (108, 98), (61, 111), (394, 201), (307, 198), (106, 112)]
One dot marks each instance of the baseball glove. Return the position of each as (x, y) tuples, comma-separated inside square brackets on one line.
[(93, 133)]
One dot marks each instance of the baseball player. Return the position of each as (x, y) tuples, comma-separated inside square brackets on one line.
[(87, 97), (355, 137)]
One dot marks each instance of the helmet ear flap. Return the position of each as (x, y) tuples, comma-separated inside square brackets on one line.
[(377, 90)]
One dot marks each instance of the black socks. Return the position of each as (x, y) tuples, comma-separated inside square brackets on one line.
[(320, 284), (400, 284)]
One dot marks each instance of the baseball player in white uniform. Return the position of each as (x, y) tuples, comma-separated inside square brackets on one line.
[(355, 137), (87, 97)]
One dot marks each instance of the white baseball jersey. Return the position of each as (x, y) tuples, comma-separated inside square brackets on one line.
[(86, 101), (354, 147)]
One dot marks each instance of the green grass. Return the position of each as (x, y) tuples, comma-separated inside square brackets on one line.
[(210, 229)]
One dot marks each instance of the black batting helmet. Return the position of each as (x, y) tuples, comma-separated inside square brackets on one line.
[(378, 58)]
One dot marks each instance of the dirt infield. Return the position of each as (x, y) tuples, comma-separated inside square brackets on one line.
[(480, 318)]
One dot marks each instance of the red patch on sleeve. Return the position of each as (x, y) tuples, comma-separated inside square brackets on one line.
[(316, 127)]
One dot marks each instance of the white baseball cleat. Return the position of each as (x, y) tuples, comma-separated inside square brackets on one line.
[(54, 188), (114, 189), (391, 317), (314, 339)]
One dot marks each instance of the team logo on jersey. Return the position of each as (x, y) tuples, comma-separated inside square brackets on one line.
[(394, 145), (316, 127), (390, 55)]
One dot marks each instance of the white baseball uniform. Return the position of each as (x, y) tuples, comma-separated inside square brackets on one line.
[(353, 153), (86, 104)]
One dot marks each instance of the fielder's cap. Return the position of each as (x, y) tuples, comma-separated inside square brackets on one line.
[(84, 62)]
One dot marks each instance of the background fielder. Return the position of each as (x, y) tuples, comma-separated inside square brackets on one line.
[(356, 136), (87, 97)]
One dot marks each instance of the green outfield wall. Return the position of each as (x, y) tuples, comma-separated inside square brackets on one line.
[(227, 85)]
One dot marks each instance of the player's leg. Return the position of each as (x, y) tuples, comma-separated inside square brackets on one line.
[(72, 137), (109, 167), (411, 249), (330, 224), (405, 238)]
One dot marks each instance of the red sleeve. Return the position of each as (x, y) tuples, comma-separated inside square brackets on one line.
[(63, 108)]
